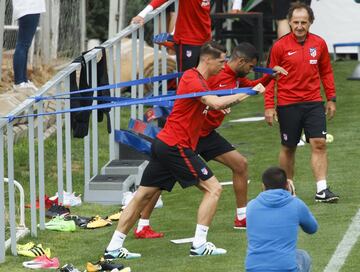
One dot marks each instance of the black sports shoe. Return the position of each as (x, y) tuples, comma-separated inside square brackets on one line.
[(326, 196), (80, 221), (55, 210), (68, 268), (103, 265)]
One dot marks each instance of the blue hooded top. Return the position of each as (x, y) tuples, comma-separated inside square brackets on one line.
[(273, 220)]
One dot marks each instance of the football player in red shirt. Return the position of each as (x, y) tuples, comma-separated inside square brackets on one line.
[(174, 159), (299, 103)]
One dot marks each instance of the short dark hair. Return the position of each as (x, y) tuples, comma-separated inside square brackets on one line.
[(274, 178), (212, 49), (300, 5), (244, 50)]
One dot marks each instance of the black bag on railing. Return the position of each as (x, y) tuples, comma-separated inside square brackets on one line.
[(80, 120)]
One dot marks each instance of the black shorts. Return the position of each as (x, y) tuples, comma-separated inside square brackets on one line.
[(169, 164), (295, 118), (187, 56), (281, 7), (213, 145)]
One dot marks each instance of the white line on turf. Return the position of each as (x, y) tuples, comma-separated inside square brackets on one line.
[(183, 240), (344, 247)]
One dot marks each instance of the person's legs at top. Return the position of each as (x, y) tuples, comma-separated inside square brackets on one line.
[(315, 131), (212, 191), (303, 261), (187, 56), (281, 8), (144, 230), (27, 29)]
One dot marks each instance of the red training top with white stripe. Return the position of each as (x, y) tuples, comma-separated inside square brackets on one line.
[(225, 80), (307, 64), (193, 23), (183, 125)]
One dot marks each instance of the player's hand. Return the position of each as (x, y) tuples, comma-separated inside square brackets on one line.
[(259, 88), (270, 116), (279, 70), (137, 20), (226, 111), (330, 109)]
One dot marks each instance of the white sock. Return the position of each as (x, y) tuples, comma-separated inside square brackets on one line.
[(200, 235), (117, 241), (321, 185), (241, 213), (142, 223)]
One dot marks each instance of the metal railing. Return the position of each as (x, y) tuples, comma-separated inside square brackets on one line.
[(60, 83)]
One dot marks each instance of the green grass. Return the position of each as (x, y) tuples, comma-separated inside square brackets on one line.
[(260, 143)]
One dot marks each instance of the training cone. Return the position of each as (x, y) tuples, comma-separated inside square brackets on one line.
[(356, 74)]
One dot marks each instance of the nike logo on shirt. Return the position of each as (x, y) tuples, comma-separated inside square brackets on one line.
[(222, 85), (291, 53)]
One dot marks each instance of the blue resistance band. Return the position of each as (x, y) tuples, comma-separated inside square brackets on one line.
[(114, 86), (134, 101), (263, 70)]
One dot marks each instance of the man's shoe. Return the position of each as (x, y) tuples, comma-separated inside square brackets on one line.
[(42, 262), (58, 223), (56, 210), (239, 224), (206, 249), (121, 253), (98, 222), (68, 268), (326, 196), (147, 233), (103, 265), (114, 217), (34, 251)]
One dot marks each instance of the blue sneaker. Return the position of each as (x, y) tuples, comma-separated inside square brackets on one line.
[(206, 249), (121, 253)]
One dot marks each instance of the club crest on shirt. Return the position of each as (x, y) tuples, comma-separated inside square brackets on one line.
[(205, 3), (204, 171), (312, 52), (188, 53)]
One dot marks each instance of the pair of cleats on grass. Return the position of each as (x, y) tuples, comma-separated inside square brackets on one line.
[(206, 249)]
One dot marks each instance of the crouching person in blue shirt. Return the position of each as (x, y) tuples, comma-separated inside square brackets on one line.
[(273, 220)]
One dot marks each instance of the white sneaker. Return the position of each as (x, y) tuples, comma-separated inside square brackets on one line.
[(69, 199), (32, 85), (207, 249)]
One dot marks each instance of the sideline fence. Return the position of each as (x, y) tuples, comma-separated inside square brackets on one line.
[(60, 83)]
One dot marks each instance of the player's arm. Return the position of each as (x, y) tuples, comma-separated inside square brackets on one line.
[(223, 102), (308, 222), (264, 80), (327, 79), (270, 112), (139, 19)]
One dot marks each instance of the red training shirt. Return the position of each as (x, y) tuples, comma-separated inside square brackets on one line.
[(193, 23), (226, 79), (307, 64), (183, 125)]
